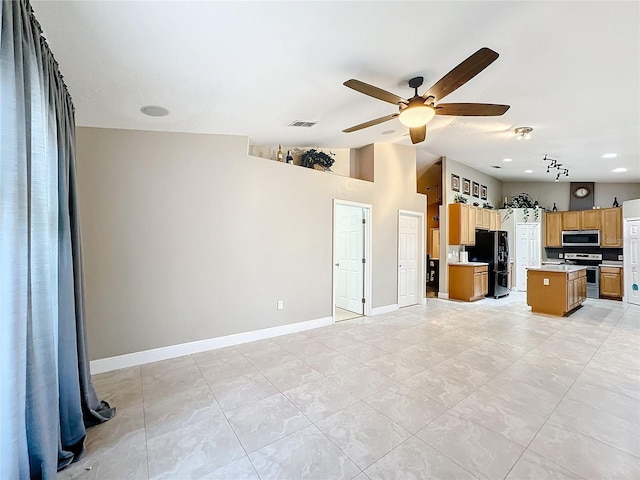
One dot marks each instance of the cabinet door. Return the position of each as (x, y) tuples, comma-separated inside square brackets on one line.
[(610, 282), (485, 283), (471, 231), (571, 220), (583, 288), (494, 222), (458, 224), (477, 284), (611, 227), (590, 219), (553, 229), (486, 219)]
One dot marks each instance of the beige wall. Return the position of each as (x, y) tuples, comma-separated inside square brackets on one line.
[(549, 192), (186, 237)]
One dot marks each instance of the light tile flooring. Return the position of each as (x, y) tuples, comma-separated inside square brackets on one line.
[(443, 390)]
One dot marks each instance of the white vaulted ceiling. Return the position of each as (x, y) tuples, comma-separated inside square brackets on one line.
[(570, 70)]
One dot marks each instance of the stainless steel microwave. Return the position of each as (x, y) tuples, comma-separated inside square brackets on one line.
[(581, 238)]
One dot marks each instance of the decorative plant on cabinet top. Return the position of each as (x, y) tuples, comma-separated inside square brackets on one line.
[(314, 157), (524, 201)]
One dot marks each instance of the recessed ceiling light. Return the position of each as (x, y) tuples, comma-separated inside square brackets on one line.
[(154, 111), (507, 160), (610, 155), (528, 171), (619, 170), (496, 166)]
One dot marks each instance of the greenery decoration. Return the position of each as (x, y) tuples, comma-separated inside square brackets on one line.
[(488, 206), (459, 198), (526, 202), (313, 157)]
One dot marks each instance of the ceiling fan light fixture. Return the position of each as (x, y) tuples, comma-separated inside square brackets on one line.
[(416, 115), (523, 133)]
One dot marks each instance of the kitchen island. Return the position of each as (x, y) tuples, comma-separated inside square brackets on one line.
[(556, 289)]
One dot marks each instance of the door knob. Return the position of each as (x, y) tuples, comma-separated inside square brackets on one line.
[(337, 264)]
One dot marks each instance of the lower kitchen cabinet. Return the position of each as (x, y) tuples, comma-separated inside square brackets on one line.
[(611, 282), (468, 281)]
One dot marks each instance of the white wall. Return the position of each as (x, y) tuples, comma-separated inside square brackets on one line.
[(548, 192), (186, 237)]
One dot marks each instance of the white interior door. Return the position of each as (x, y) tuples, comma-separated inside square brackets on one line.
[(631, 270), (350, 254), (408, 259), (527, 254)]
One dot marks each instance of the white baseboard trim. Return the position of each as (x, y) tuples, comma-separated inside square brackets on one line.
[(384, 309), (444, 295), (164, 353)]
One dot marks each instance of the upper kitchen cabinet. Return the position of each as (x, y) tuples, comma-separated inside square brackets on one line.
[(590, 220), (553, 229), (611, 227), (571, 220), (462, 227)]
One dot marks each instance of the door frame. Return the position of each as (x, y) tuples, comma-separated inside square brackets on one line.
[(366, 274), (421, 278), (626, 264)]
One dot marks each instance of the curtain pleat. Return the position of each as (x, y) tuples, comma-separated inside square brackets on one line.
[(47, 397)]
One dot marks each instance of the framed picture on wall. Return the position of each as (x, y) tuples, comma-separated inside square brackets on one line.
[(483, 192), (455, 183), (476, 189), (466, 186)]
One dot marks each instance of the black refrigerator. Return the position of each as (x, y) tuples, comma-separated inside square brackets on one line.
[(493, 248)]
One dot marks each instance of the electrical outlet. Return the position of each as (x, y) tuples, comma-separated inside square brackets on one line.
[(561, 255), (620, 257), (280, 304), (545, 281)]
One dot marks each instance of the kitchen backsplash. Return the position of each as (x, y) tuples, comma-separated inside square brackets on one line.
[(610, 254)]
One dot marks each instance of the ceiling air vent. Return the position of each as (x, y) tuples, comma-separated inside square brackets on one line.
[(496, 166), (299, 123)]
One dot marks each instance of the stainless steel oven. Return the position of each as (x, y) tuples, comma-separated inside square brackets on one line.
[(591, 261)]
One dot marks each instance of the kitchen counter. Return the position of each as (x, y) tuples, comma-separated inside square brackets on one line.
[(558, 268), (611, 263), (470, 264)]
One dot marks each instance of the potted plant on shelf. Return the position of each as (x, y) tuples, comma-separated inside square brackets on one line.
[(314, 157), (524, 201)]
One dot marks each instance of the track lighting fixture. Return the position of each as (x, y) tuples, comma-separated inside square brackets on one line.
[(558, 166), (523, 133)]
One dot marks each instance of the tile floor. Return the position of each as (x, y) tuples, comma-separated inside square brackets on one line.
[(442, 390)]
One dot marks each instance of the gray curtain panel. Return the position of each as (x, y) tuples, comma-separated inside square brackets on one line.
[(46, 395)]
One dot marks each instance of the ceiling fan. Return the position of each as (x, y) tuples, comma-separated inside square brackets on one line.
[(416, 112)]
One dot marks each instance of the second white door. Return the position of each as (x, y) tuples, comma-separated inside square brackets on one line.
[(527, 252), (408, 255), (350, 255)]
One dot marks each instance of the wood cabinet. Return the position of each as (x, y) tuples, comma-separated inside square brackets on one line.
[(590, 219), (611, 282), (553, 229), (495, 222), (556, 292), (468, 281), (611, 227), (571, 220), (434, 246), (462, 224)]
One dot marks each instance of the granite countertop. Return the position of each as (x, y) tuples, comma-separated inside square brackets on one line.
[(470, 264), (611, 263), (558, 268)]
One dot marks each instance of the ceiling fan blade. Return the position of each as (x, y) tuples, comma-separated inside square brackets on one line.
[(418, 134), (370, 123), (461, 74), (374, 92), (471, 109)]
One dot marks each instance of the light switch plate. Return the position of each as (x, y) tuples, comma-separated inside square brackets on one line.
[(545, 281), (620, 257), (561, 255)]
